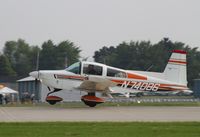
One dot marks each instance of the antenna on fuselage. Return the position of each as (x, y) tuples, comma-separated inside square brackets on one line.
[(85, 59), (149, 67)]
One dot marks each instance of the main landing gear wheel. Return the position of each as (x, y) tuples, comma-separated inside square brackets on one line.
[(52, 100), (91, 100), (90, 104)]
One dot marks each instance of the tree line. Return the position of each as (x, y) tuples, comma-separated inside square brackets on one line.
[(19, 58), (143, 55)]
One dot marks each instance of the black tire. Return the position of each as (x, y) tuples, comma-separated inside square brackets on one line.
[(52, 102), (90, 104)]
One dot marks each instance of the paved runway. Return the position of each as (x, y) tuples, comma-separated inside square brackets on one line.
[(23, 114)]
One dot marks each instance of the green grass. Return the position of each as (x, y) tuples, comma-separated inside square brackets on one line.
[(101, 129)]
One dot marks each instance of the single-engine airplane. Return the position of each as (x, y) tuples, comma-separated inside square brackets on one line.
[(93, 77)]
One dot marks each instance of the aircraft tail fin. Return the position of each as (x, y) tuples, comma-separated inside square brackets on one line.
[(176, 69)]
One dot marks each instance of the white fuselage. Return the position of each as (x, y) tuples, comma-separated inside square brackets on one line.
[(126, 81)]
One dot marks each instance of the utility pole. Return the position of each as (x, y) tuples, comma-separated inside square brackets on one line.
[(37, 63)]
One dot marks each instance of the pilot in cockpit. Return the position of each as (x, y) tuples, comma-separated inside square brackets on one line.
[(91, 70)]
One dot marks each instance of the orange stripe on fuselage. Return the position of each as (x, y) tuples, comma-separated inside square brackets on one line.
[(70, 77), (167, 85), (172, 87), (134, 76), (118, 81)]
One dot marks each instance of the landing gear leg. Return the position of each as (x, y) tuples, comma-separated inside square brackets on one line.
[(55, 90), (52, 100), (91, 94)]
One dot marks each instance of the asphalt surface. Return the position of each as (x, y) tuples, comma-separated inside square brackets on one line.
[(37, 114)]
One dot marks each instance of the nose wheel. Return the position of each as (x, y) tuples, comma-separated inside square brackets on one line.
[(52, 100)]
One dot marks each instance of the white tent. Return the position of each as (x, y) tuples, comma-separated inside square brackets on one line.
[(7, 90)]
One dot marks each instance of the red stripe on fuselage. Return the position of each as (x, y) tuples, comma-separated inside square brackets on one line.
[(70, 77)]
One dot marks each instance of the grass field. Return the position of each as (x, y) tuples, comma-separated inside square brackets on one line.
[(101, 129)]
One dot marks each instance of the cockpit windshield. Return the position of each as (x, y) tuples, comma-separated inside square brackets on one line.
[(74, 68)]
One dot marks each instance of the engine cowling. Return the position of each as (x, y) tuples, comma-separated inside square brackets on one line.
[(53, 99), (92, 101)]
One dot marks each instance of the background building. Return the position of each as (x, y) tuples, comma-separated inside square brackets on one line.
[(29, 87), (196, 88)]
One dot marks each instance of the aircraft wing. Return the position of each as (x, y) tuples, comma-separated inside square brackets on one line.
[(95, 83)]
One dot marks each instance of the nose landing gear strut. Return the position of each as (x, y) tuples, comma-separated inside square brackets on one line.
[(52, 100)]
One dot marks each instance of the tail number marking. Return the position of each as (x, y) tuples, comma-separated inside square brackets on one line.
[(140, 85)]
